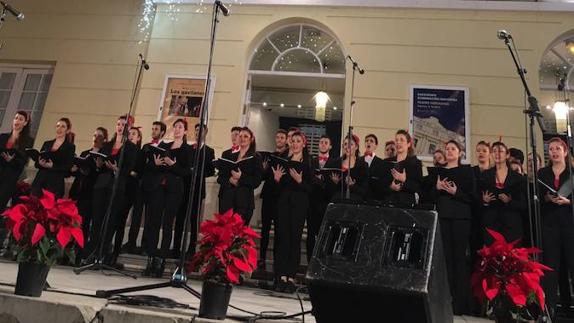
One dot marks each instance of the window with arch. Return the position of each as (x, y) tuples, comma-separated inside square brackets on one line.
[(299, 48)]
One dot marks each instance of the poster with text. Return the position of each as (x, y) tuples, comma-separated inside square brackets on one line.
[(439, 114), (182, 98)]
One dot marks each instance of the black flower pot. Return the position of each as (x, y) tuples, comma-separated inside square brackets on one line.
[(214, 300), (31, 279)]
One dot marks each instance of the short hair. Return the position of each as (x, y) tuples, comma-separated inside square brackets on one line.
[(293, 129), (516, 154), (390, 142), (372, 136), (197, 126), (325, 137), (283, 131), (236, 128), (162, 126)]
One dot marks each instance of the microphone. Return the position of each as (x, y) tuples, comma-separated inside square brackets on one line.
[(355, 64), (12, 10), (503, 35), (144, 63), (223, 8)]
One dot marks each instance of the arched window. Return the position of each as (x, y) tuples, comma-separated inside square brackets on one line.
[(299, 48)]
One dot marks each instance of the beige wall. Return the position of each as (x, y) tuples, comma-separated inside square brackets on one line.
[(94, 46)]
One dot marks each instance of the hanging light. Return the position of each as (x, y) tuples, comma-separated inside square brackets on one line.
[(570, 46), (321, 100), (561, 110)]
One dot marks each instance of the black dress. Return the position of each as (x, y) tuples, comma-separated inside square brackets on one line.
[(557, 227), (455, 226), (52, 179), (241, 198), (292, 208), (505, 218), (10, 171)]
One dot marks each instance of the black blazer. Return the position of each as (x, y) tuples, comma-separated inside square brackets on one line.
[(320, 192), (287, 183), (252, 175), (359, 191), (52, 179), (554, 215), (170, 176), (506, 217), (375, 174), (459, 205), (17, 164), (406, 196), (208, 155), (84, 180), (106, 176), (270, 187)]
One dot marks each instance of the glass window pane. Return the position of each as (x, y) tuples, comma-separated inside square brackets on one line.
[(7, 81), (264, 57), (286, 38), (333, 60), (46, 80), (40, 101), (314, 39), (32, 82), (27, 101), (4, 98), (298, 60)]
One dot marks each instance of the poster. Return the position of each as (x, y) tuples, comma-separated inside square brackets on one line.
[(439, 114), (182, 97)]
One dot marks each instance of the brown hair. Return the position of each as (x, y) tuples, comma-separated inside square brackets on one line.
[(70, 136), (411, 151)]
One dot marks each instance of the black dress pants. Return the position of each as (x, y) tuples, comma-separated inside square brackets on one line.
[(557, 250), (291, 214), (268, 218), (101, 201), (455, 235)]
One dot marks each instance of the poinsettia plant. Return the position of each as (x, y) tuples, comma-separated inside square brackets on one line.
[(509, 280), (44, 229), (226, 249)]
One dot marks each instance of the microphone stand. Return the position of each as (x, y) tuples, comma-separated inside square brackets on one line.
[(179, 277), (98, 263), (533, 113), (350, 131)]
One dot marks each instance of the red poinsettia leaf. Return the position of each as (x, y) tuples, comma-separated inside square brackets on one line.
[(247, 231), (78, 236), (16, 231), (516, 294), (252, 257), (240, 264), (39, 233), (48, 199), (63, 236), (491, 287), (232, 275), (496, 236)]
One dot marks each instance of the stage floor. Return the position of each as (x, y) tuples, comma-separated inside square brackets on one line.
[(71, 298)]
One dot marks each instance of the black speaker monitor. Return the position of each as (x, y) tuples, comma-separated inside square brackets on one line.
[(379, 264)]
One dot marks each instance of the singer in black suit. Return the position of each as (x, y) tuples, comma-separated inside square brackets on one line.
[(207, 155), (404, 183), (320, 196), (557, 222), (13, 159), (453, 194), (108, 168), (295, 180), (503, 195), (53, 171), (166, 189), (269, 195), (237, 187), (353, 173), (82, 190), (375, 167)]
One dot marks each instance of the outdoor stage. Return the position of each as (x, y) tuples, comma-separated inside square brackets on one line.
[(71, 298)]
